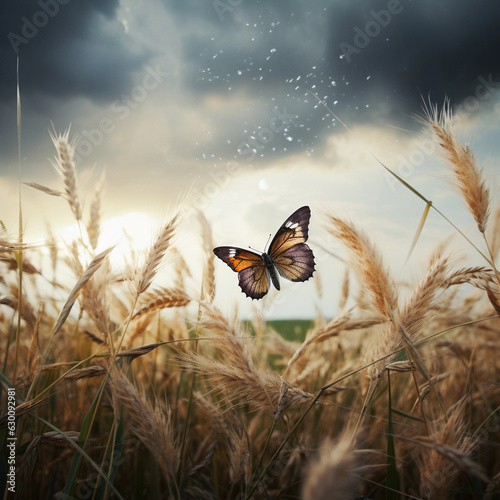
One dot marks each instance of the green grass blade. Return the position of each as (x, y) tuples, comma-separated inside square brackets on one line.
[(406, 415), (19, 254), (430, 205), (114, 459), (392, 471), (405, 184), (84, 432), (419, 228), (81, 453)]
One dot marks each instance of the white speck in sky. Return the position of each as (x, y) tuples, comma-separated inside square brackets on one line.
[(263, 184), (125, 25)]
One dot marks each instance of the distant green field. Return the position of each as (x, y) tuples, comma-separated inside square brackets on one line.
[(289, 329), (295, 329)]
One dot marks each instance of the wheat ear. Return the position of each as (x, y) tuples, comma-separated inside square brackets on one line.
[(468, 176), (65, 166)]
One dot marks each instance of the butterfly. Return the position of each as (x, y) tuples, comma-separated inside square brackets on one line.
[(288, 256)]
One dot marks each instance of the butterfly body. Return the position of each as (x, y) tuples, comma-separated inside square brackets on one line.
[(288, 256), (271, 270)]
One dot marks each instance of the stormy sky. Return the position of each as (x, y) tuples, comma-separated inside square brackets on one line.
[(163, 94)]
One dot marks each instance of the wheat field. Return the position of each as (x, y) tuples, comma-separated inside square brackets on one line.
[(125, 388)]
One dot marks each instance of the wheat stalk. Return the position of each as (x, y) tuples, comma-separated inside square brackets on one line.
[(331, 474), (94, 223), (367, 263), (155, 256), (208, 284), (65, 166), (161, 297), (468, 176), (151, 425)]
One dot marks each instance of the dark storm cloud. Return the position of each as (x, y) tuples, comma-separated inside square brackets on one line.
[(265, 50), (377, 51), (65, 48), (370, 60), (421, 48), (68, 49), (253, 44)]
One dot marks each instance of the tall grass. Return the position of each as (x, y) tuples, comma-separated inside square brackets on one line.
[(125, 390)]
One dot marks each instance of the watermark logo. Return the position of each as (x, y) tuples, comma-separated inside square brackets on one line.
[(90, 139), (30, 27), (11, 439), (221, 8), (426, 146)]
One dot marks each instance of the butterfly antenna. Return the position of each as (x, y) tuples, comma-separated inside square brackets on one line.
[(254, 249), (268, 239)]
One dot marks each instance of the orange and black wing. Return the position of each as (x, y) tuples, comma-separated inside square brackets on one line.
[(252, 274), (288, 251)]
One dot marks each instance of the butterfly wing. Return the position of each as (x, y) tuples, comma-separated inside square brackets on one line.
[(252, 274), (293, 231), (296, 263), (288, 251)]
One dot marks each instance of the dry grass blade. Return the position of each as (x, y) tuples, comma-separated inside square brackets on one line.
[(420, 227), (44, 189), (94, 265)]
